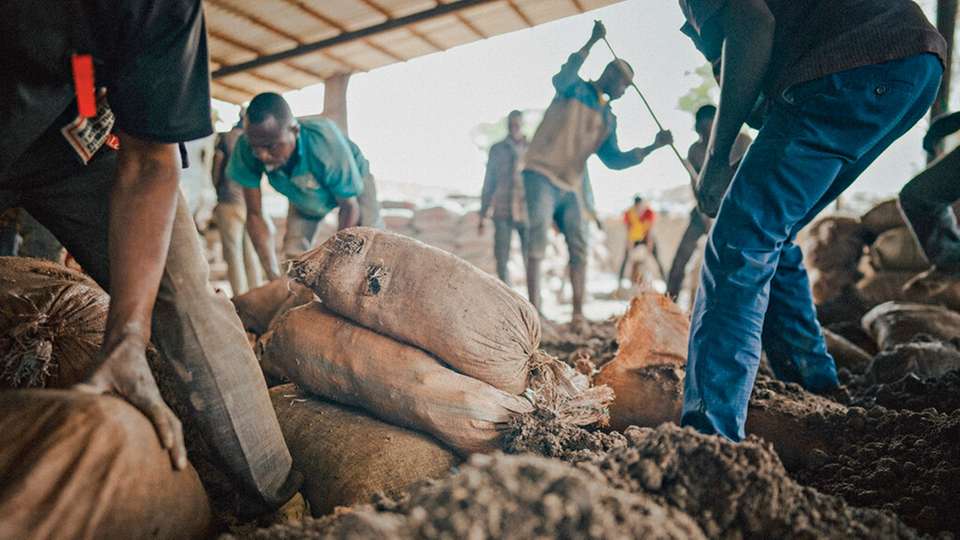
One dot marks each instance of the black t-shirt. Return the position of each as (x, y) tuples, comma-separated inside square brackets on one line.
[(151, 56)]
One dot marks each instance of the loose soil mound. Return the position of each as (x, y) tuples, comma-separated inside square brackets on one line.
[(902, 461), (510, 497), (922, 358), (584, 352), (912, 393), (734, 490)]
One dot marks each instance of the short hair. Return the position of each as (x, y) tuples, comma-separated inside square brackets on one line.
[(637, 199), (707, 112), (514, 114), (622, 67), (269, 104)]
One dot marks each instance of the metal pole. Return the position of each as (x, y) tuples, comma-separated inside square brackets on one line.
[(685, 163)]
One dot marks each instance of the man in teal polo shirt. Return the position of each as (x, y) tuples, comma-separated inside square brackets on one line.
[(311, 163)]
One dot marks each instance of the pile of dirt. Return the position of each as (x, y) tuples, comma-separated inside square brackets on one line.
[(585, 352), (510, 497), (734, 490), (911, 393), (902, 461)]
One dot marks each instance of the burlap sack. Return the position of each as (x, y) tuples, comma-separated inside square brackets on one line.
[(334, 358), (883, 217), (257, 308), (346, 456), (428, 298), (647, 373), (80, 466), (845, 353), (896, 250), (51, 324), (934, 287), (924, 359), (894, 323), (834, 243), (876, 289)]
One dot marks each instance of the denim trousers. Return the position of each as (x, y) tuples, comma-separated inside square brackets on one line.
[(754, 292)]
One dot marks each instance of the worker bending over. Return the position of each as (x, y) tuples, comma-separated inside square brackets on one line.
[(577, 124), (312, 164), (114, 204), (502, 194), (841, 80)]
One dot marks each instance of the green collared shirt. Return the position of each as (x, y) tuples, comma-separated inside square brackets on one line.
[(326, 166)]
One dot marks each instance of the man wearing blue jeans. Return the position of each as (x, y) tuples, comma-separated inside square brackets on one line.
[(840, 80)]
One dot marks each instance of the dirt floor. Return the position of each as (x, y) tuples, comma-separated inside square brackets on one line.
[(888, 466)]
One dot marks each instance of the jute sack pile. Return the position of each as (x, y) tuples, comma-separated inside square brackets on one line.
[(894, 323), (346, 456), (257, 308), (51, 324), (75, 465), (334, 358), (427, 298)]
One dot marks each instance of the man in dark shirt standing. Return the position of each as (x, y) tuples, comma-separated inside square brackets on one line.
[(143, 75), (502, 194), (841, 80)]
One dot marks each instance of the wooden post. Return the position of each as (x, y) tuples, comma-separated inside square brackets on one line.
[(335, 99)]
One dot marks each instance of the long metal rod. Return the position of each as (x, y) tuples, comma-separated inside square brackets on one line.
[(390, 24), (685, 163)]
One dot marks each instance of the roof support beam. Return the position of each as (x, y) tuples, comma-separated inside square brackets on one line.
[(391, 24), (269, 80), (334, 24), (244, 47), (523, 16)]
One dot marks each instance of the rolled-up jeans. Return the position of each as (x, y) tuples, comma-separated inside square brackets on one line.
[(754, 292), (194, 327)]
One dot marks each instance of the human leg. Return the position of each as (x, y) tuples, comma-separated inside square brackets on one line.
[(301, 229), (230, 220), (688, 244), (808, 141), (569, 215), (502, 236), (540, 208), (926, 203)]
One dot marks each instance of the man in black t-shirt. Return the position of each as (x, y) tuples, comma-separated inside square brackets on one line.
[(118, 211)]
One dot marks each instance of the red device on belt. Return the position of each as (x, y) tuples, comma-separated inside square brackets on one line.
[(82, 65)]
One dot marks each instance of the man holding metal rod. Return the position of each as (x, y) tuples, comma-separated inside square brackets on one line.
[(577, 124), (841, 81)]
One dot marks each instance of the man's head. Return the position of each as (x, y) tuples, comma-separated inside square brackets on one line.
[(615, 79), (639, 203), (271, 129), (704, 120), (515, 124)]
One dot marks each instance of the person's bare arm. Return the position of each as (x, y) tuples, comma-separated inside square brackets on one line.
[(261, 236), (349, 213), (748, 39), (142, 207)]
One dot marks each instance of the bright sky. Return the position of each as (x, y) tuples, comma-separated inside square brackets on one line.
[(413, 120)]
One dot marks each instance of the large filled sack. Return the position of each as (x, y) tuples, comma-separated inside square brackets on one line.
[(427, 298), (845, 353), (334, 358), (830, 285), (51, 324), (647, 373), (258, 307), (834, 243), (894, 323), (346, 456), (875, 289), (896, 250), (924, 359), (81, 466), (882, 217), (934, 287)]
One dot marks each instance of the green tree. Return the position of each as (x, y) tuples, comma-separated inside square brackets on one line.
[(704, 93)]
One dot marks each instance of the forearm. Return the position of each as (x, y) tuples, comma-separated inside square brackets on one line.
[(142, 208), (746, 59), (349, 215), (262, 239)]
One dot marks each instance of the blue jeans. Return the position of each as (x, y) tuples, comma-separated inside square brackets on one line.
[(754, 292)]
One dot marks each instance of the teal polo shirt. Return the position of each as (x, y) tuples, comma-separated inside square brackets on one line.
[(325, 166)]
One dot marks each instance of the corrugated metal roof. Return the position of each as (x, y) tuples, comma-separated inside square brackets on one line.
[(281, 45)]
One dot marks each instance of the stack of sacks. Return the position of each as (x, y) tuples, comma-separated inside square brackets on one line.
[(894, 256), (409, 335), (832, 249)]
